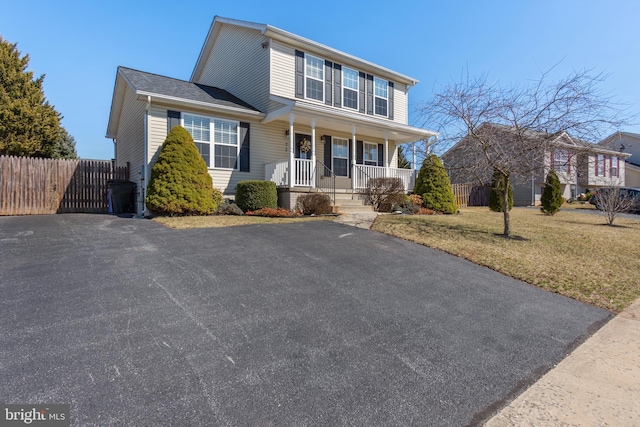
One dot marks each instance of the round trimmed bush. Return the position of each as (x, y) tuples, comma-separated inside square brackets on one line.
[(252, 195), (180, 183), (313, 204)]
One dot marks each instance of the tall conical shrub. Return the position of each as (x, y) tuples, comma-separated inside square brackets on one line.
[(180, 183), (434, 186), (552, 196), (497, 186)]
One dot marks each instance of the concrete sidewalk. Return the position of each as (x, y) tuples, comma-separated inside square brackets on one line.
[(359, 219), (596, 385)]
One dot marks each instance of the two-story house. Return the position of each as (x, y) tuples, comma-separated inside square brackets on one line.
[(266, 104), (627, 142), (580, 165)]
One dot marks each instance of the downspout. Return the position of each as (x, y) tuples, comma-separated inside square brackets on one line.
[(145, 171)]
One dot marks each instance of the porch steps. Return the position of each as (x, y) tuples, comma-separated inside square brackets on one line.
[(349, 202)]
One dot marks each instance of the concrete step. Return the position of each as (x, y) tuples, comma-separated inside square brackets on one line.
[(349, 202), (355, 209)]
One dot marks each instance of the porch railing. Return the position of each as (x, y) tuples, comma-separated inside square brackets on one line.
[(364, 173), (306, 174), (326, 180)]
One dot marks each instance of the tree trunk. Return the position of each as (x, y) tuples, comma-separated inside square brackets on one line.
[(505, 206)]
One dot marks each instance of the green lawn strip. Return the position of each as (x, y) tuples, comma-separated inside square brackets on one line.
[(571, 253)]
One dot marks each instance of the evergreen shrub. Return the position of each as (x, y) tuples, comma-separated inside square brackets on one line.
[(552, 196), (495, 199), (252, 195), (180, 183), (434, 186)]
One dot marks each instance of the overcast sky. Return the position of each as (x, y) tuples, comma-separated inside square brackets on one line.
[(79, 44)]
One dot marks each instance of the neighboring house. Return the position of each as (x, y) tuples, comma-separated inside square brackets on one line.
[(630, 143), (266, 104), (579, 165)]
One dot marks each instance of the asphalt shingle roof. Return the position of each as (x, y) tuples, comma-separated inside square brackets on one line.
[(161, 85)]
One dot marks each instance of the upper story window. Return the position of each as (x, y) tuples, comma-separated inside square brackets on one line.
[(615, 171), (314, 77), (370, 154), (349, 88), (561, 161), (600, 162), (225, 139), (381, 94)]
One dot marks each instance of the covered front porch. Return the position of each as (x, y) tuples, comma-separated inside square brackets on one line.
[(315, 174)]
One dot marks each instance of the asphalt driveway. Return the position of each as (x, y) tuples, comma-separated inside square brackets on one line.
[(271, 325)]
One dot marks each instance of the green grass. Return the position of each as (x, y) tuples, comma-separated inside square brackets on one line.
[(229, 220), (571, 253)]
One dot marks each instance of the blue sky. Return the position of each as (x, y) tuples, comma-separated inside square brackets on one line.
[(79, 44)]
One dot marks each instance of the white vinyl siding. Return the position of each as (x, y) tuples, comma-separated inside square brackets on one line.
[(239, 64), (283, 64), (130, 141)]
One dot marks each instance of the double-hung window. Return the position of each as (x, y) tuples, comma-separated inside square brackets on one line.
[(561, 161), (600, 162), (349, 88), (370, 157), (224, 141), (381, 90), (340, 156), (614, 167), (314, 77)]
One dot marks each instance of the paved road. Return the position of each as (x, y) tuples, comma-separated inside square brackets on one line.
[(302, 324)]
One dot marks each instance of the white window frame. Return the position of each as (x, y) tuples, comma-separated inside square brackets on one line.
[(600, 171), (561, 161), (615, 160), (364, 150), (356, 90), (307, 76), (212, 139), (333, 156), (375, 95)]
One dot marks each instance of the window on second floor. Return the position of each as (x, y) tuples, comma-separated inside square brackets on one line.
[(349, 88), (381, 94), (615, 167), (561, 161), (314, 77)]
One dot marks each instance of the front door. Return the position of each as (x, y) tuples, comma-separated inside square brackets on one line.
[(302, 147)]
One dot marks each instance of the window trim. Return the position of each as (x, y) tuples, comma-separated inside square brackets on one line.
[(333, 142), (376, 96), (601, 171), (212, 143), (321, 80), (616, 168), (563, 164), (356, 90)]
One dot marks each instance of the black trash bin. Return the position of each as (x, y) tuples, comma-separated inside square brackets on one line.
[(122, 196)]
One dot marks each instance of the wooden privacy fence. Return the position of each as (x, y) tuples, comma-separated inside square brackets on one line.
[(470, 194), (32, 186)]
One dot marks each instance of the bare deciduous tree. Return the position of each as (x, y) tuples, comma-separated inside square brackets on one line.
[(510, 130), (614, 201)]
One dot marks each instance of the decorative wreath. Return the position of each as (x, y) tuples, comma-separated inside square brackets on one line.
[(305, 145)]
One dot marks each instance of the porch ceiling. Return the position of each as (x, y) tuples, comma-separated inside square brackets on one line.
[(305, 113)]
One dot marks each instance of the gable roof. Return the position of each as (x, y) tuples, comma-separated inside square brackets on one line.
[(297, 41), (561, 139), (171, 90)]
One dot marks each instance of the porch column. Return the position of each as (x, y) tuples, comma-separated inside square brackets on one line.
[(313, 153), (386, 155), (413, 149), (292, 181), (353, 158)]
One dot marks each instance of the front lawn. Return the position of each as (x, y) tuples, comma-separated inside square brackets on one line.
[(181, 222), (571, 253)]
